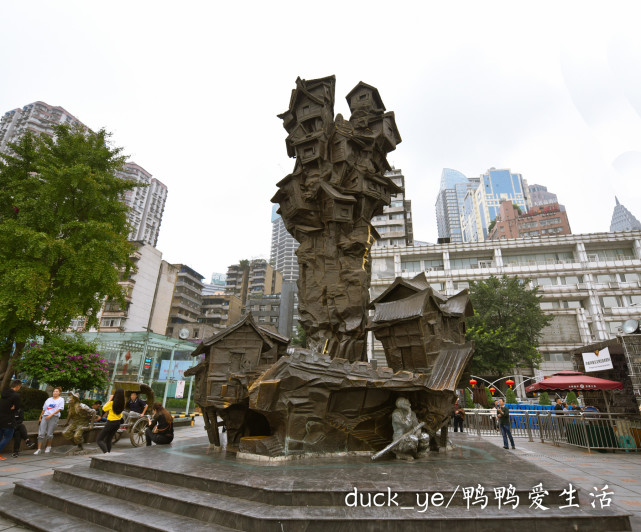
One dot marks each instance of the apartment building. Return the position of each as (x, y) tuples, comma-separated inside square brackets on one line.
[(589, 283)]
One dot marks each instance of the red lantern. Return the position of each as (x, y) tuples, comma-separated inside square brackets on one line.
[(472, 382), (510, 383), (492, 390)]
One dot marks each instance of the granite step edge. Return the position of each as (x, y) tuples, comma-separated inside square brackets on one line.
[(293, 494), (43, 518), (246, 512), (110, 512)]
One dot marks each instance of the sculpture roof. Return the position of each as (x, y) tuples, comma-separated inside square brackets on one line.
[(207, 342), (458, 305), (375, 94), (401, 287)]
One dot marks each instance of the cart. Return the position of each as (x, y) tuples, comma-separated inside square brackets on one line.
[(134, 425)]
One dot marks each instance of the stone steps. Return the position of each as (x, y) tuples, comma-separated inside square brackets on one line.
[(44, 518), (219, 482), (111, 513), (123, 503), (191, 487)]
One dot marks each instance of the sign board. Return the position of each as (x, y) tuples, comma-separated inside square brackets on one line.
[(597, 360), (180, 389)]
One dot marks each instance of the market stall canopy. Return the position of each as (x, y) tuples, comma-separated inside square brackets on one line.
[(573, 380)]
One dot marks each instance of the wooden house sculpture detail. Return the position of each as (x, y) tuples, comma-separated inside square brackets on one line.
[(327, 203), (233, 359)]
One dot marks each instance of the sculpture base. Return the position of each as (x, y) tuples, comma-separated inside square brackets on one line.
[(190, 486)]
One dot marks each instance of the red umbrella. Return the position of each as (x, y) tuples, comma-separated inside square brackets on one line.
[(573, 380)]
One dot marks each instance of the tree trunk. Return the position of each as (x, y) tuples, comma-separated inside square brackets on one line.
[(7, 361)]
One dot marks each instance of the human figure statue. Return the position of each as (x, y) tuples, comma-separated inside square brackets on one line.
[(403, 421), (79, 420)]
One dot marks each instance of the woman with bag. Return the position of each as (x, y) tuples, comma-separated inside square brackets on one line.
[(113, 409), (161, 427)]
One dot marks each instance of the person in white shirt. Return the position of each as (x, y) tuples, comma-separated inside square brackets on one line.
[(49, 418)]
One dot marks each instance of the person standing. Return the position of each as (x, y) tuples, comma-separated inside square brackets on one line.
[(459, 416), (558, 407), (9, 403), (49, 418), (114, 409), (503, 413), (161, 426)]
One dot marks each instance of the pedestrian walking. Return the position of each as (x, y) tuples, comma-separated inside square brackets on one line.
[(459, 416), (503, 413), (9, 403), (114, 409), (49, 418), (161, 426)]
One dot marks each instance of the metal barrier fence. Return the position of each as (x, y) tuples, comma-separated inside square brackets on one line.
[(589, 430)]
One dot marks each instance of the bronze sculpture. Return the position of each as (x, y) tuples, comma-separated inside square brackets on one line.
[(328, 398), (327, 202), (79, 421)]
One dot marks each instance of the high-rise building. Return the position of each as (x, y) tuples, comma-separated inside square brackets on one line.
[(220, 310), (395, 224), (255, 278), (623, 219), (146, 204), (481, 205), (454, 186), (543, 220), (539, 195), (283, 254), (186, 304)]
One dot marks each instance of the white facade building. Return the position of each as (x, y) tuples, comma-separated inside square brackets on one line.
[(146, 203), (395, 224), (589, 283), (283, 253)]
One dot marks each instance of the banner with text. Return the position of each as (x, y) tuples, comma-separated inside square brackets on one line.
[(597, 360)]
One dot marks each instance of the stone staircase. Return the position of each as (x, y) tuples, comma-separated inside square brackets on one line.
[(195, 490)]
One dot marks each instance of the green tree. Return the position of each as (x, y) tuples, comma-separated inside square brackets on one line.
[(510, 396), (300, 339), (506, 325), (63, 235), (469, 402), (544, 399), (490, 397), (571, 398), (69, 362)]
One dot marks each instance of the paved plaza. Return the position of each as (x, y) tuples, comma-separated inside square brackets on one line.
[(620, 471), (28, 466)]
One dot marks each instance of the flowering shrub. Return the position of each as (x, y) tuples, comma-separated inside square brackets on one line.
[(70, 363)]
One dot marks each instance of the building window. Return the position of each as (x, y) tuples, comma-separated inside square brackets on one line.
[(196, 332)]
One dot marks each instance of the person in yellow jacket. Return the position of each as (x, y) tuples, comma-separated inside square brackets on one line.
[(113, 409)]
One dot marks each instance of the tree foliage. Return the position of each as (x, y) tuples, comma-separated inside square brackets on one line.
[(300, 340), (506, 325), (544, 399), (62, 361), (63, 233), (571, 398), (510, 396), (469, 402)]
